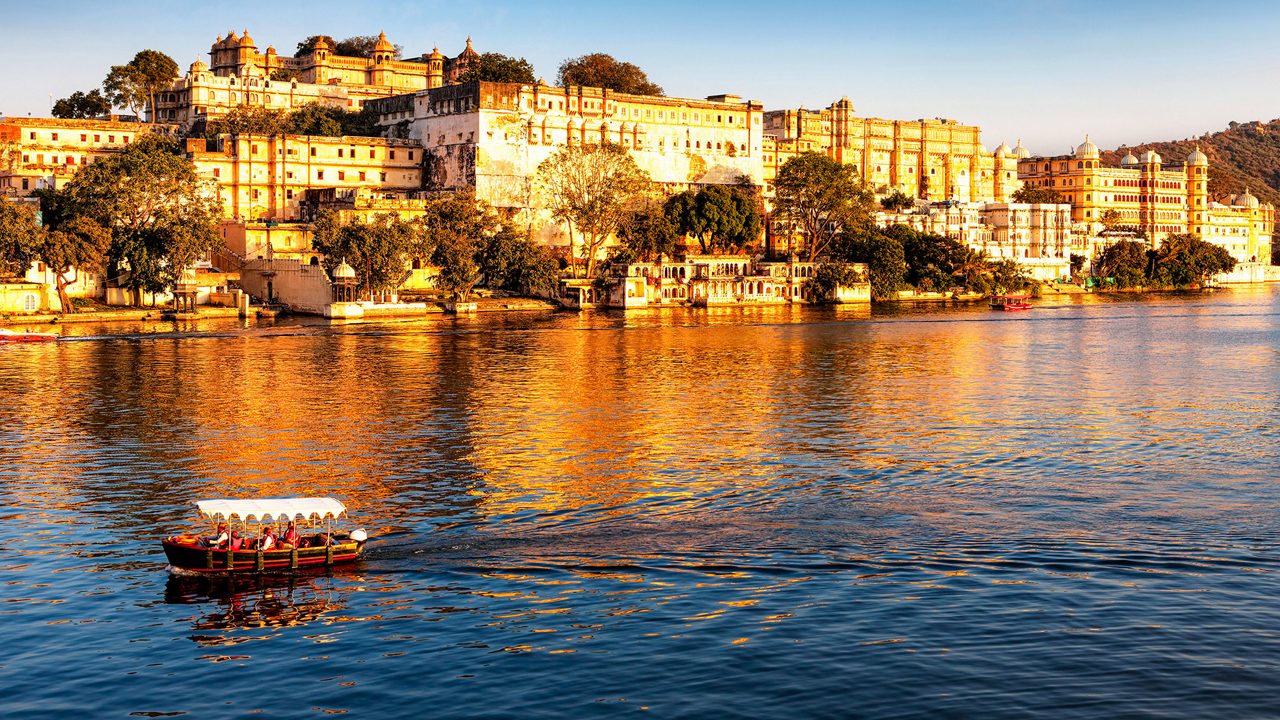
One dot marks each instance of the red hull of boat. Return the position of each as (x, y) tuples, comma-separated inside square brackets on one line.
[(206, 560)]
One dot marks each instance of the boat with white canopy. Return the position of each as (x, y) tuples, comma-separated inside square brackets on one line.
[(240, 527)]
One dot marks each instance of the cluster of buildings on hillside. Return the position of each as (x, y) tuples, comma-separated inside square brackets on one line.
[(442, 135)]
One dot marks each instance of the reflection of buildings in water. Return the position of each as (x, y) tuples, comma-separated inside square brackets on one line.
[(603, 418), (247, 602)]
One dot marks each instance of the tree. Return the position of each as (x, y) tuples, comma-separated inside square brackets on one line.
[(250, 120), (316, 119), (1007, 276), (308, 45), (1111, 219), (160, 215), (1077, 264), (591, 188), (511, 260), (1125, 263), (378, 250), (79, 245), (883, 255), (1034, 194), (722, 218), (496, 67), (829, 276), (933, 261), (82, 105), (821, 198), (19, 237), (897, 201), (647, 233), (1184, 260), (602, 70), (134, 85)]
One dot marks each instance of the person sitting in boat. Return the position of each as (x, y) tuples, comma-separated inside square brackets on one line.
[(237, 542), (268, 539), (217, 541), (290, 539)]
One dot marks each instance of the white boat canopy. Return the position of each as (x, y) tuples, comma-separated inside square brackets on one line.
[(271, 509)]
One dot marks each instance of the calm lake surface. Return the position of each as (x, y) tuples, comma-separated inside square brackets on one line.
[(767, 513)]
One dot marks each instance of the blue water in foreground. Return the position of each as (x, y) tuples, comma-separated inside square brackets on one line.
[(932, 512)]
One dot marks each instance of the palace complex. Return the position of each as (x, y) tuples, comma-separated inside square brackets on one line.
[(238, 75), (933, 160), (442, 135), (1157, 198)]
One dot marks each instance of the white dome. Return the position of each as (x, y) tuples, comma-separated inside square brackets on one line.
[(1149, 157), (1128, 159), (1087, 149), (1003, 149), (1197, 158), (1020, 152), (343, 271), (1246, 200)]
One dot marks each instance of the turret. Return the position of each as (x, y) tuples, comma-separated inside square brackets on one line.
[(1197, 192), (435, 69)]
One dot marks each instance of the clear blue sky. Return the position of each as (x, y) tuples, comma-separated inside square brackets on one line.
[(1047, 71)]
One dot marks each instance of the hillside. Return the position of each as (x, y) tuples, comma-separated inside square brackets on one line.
[(1246, 155)]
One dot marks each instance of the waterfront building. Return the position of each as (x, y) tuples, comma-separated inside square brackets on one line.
[(1040, 237), (929, 159), (45, 153), (264, 177), (238, 75), (491, 137), (1156, 198), (709, 281)]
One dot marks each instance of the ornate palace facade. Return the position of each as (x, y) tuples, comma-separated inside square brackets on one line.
[(237, 74), (1159, 199), (932, 160)]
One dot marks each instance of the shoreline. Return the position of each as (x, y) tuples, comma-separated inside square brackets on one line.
[(512, 305)]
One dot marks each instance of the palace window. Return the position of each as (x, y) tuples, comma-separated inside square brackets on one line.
[(313, 152), (342, 175), (319, 174)]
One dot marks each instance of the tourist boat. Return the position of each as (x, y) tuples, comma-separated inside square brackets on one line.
[(321, 545), (13, 336), (1010, 302)]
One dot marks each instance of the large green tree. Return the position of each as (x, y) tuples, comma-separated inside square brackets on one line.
[(251, 120), (511, 260), (378, 250), (19, 237), (354, 46), (1125, 263), (1184, 259), (646, 233), (161, 216), (721, 218), (496, 67), (82, 105), (135, 84), (820, 199), (884, 257), (602, 70), (79, 245), (591, 188)]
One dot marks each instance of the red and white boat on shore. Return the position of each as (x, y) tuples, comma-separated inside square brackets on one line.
[(15, 336)]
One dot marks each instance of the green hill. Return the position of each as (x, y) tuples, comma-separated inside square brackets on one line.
[(1245, 155)]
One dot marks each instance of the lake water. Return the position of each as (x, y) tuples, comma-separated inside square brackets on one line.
[(786, 512)]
